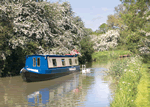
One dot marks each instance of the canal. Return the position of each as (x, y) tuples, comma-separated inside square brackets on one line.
[(74, 90)]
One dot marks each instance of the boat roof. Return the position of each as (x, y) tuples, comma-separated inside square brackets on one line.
[(52, 55)]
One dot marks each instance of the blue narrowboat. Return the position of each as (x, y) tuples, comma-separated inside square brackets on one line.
[(44, 67)]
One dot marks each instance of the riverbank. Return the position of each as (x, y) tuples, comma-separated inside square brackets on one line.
[(108, 55), (132, 78)]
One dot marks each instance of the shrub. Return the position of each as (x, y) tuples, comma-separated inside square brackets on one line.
[(86, 50)]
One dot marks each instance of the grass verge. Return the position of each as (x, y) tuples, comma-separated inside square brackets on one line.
[(143, 95), (107, 55), (133, 88)]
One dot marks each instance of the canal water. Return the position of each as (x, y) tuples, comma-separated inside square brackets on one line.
[(73, 90)]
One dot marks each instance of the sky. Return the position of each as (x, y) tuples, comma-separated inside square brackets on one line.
[(92, 12)]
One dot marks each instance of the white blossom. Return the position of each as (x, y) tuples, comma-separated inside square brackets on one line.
[(105, 41), (31, 24)]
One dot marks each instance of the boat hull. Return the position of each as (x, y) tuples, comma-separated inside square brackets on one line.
[(30, 76)]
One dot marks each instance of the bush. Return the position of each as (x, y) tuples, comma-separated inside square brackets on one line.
[(118, 67), (86, 50)]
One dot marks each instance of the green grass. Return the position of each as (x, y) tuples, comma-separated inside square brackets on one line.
[(126, 91), (143, 95), (133, 88), (107, 55), (117, 68)]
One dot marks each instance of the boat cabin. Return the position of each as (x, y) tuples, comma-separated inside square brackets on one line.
[(50, 61)]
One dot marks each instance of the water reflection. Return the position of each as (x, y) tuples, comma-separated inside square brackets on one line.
[(53, 95), (74, 90)]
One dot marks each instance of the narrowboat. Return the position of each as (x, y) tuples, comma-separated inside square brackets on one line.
[(44, 67)]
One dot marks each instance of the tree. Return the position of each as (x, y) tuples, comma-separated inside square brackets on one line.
[(135, 17), (86, 50), (19, 1), (38, 28), (88, 31), (114, 22), (103, 28), (6, 28), (120, 9), (136, 13)]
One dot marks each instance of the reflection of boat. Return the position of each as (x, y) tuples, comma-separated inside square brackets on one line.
[(51, 93), (43, 67), (34, 94)]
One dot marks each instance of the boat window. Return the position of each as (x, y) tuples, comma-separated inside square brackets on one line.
[(49, 62), (70, 61), (38, 62), (34, 62), (63, 62), (54, 62), (75, 61)]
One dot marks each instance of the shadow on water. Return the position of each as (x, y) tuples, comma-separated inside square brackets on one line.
[(73, 90)]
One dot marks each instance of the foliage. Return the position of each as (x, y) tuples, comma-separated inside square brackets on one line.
[(6, 29), (52, 25), (146, 27), (108, 55), (88, 31), (19, 1), (38, 28), (131, 18), (128, 80), (117, 68), (106, 41), (132, 78), (132, 42), (134, 16), (86, 50), (113, 22), (146, 58), (14, 62), (97, 33), (103, 28)]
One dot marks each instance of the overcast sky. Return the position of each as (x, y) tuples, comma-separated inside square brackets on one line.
[(92, 12)]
